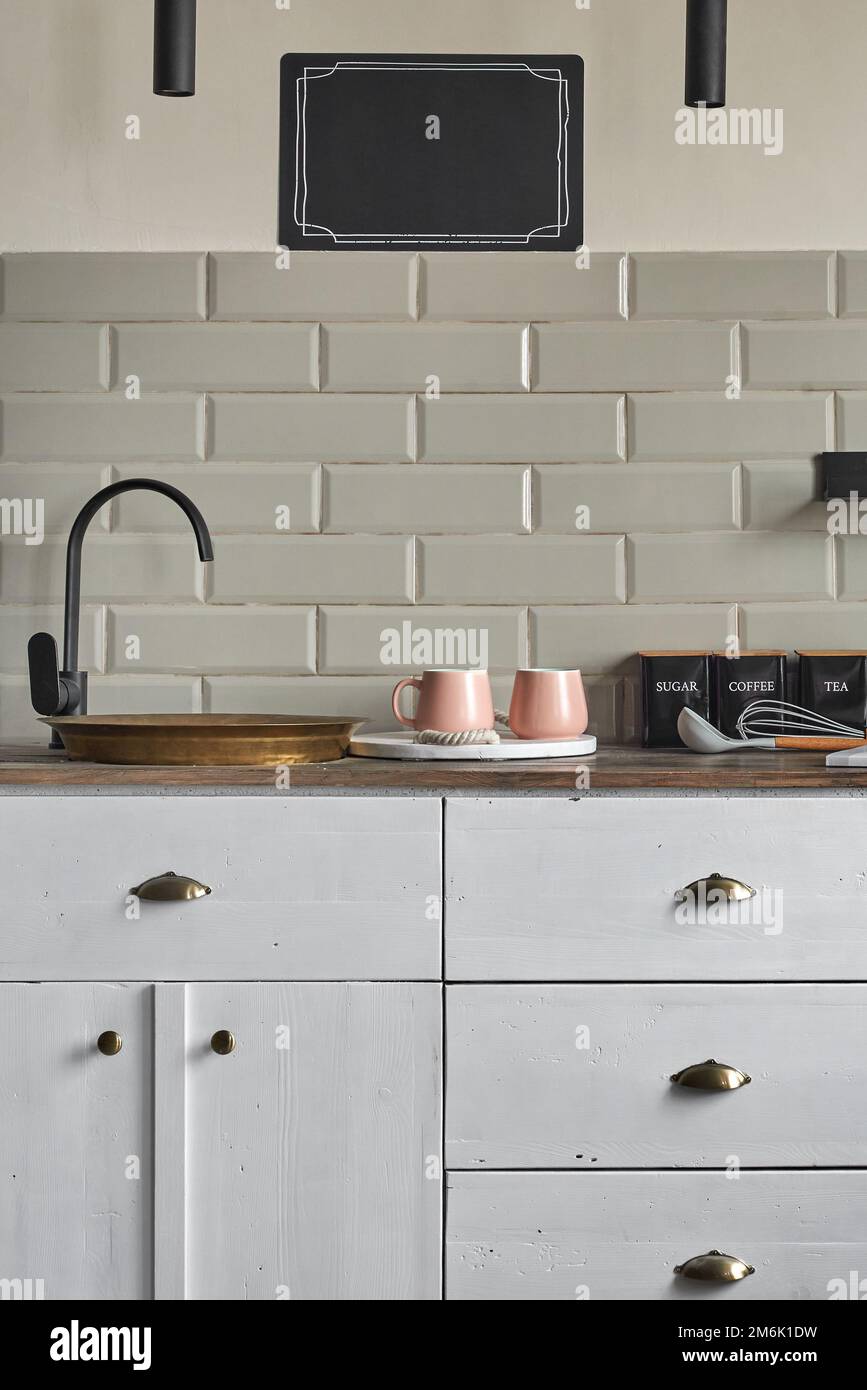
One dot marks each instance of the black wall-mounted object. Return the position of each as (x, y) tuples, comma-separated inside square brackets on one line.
[(175, 48), (843, 474), (443, 152), (706, 22)]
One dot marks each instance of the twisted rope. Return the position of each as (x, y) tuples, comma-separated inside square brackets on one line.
[(466, 737)]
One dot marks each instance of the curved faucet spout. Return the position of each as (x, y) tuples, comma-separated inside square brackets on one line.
[(72, 606)]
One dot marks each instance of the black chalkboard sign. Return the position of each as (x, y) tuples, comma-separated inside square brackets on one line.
[(437, 151)]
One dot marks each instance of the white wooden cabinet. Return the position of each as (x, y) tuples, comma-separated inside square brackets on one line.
[(578, 985), (304, 1164)]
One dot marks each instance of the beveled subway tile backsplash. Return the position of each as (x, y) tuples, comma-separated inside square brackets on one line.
[(427, 498), (521, 429), (440, 357), (362, 640), (19, 622), (609, 638), (609, 497), (54, 357), (516, 569), (168, 641), (707, 425), (315, 285), (311, 569), (734, 285), (254, 503), (135, 569), (852, 284), (542, 286), (42, 426), (820, 626), (63, 487), (411, 460), (804, 356), (851, 417), (217, 356), (633, 357), (708, 568), (294, 428), (96, 286), (852, 567), (783, 495)]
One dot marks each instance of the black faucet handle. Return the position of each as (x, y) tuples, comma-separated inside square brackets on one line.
[(49, 692)]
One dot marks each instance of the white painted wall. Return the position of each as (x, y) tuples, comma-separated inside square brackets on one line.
[(204, 172)]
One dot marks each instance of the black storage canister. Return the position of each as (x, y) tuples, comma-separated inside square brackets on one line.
[(835, 684), (739, 680), (669, 682)]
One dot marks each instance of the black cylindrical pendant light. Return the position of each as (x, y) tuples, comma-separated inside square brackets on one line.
[(706, 52), (175, 48)]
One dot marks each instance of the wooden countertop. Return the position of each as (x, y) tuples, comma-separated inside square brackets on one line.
[(612, 768)]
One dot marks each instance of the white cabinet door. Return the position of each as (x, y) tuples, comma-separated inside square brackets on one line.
[(312, 1157), (76, 1142)]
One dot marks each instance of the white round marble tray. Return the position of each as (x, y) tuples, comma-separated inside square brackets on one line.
[(401, 745)]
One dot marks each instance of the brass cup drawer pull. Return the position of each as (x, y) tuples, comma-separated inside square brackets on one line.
[(170, 888), (714, 889), (711, 1076), (715, 1267), (109, 1043), (223, 1042)]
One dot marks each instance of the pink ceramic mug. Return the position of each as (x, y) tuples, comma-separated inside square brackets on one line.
[(548, 704), (449, 701)]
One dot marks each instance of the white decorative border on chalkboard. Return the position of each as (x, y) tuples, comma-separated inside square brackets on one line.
[(313, 229)]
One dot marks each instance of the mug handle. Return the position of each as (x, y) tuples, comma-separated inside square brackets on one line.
[(395, 700)]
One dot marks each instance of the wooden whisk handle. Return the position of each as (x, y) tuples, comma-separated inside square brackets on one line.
[(818, 742)]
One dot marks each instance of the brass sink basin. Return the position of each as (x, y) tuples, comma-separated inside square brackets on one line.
[(204, 740)]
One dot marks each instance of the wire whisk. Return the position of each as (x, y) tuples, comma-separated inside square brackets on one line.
[(769, 718)]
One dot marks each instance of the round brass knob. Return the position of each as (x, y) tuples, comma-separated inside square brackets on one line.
[(109, 1043), (223, 1042)]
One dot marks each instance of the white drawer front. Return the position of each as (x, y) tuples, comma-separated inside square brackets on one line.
[(543, 889), (619, 1236), (302, 888), (574, 1076)]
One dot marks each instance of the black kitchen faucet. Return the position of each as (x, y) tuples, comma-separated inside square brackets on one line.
[(55, 691)]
